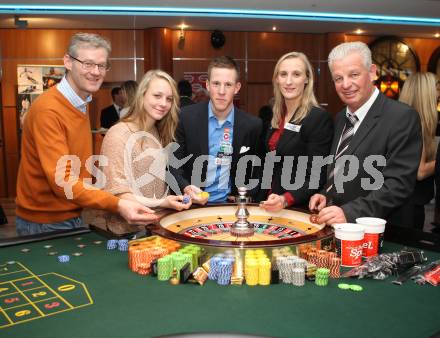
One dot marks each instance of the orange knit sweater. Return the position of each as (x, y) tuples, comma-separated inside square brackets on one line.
[(53, 128)]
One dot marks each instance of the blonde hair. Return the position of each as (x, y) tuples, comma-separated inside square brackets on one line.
[(130, 87), (167, 126), (420, 92), (308, 99)]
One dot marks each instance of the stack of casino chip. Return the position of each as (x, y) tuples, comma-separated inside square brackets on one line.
[(282, 267), (312, 257), (251, 271), (264, 271), (214, 264), (112, 244), (310, 271), (304, 249), (224, 271), (238, 270), (257, 267), (299, 276), (188, 258), (312, 254), (195, 252), (123, 245), (179, 260), (335, 267), (321, 259), (147, 250), (143, 269), (330, 255), (63, 258), (143, 255), (164, 268), (321, 276)]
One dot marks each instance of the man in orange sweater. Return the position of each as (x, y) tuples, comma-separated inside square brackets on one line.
[(53, 184)]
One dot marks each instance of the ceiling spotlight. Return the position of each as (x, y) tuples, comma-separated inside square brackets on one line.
[(274, 28), (20, 23), (437, 35), (359, 31)]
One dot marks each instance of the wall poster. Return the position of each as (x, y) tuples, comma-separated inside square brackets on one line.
[(32, 81)]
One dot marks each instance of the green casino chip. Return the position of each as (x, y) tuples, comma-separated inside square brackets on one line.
[(343, 286), (356, 288)]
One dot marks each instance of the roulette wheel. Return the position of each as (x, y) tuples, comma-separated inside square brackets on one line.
[(211, 225)]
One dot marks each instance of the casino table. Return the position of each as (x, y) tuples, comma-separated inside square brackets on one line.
[(96, 295)]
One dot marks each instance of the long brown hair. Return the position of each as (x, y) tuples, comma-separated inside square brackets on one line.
[(137, 114)]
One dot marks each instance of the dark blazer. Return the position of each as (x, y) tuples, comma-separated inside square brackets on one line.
[(192, 137), (185, 101), (313, 139), (109, 116), (391, 129)]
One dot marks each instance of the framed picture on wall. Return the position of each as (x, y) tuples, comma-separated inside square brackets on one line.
[(32, 81)]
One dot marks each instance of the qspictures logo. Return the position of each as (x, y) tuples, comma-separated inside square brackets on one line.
[(143, 150)]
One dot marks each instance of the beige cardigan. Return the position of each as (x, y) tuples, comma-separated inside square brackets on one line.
[(136, 165)]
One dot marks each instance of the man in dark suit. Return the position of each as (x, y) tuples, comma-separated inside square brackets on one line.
[(220, 130), (110, 114), (385, 142)]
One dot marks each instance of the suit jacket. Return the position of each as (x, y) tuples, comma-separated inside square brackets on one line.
[(313, 139), (391, 129), (192, 137), (185, 101), (109, 116)]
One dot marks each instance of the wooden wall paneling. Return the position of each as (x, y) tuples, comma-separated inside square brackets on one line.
[(260, 71), (258, 95), (334, 103), (11, 147), (182, 66), (122, 70), (3, 182), (140, 70), (158, 49), (263, 45), (198, 45), (12, 161)]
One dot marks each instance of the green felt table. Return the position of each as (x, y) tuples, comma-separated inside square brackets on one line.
[(115, 302)]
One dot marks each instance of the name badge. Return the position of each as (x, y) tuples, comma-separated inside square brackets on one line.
[(226, 160), (293, 127)]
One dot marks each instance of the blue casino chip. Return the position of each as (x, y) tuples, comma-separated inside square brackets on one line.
[(63, 258), (112, 244)]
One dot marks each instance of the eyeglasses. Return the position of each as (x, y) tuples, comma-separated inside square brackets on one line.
[(90, 65)]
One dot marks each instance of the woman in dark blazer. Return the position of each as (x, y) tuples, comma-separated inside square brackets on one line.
[(300, 132)]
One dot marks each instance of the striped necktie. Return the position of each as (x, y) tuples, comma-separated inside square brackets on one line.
[(347, 135)]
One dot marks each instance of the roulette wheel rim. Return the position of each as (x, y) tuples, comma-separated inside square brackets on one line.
[(324, 233)]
